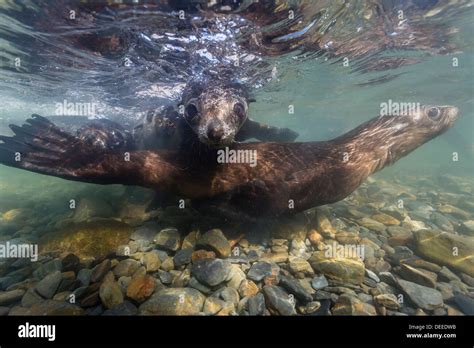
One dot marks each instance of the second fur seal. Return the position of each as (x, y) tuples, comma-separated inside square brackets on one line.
[(213, 112)]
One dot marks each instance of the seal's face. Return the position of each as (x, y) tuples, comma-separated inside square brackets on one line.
[(216, 115), (414, 129)]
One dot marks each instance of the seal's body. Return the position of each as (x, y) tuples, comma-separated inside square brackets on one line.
[(287, 178)]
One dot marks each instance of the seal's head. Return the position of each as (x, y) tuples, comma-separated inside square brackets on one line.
[(408, 132), (390, 137), (215, 111)]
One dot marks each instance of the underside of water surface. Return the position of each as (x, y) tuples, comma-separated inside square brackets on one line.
[(401, 244)]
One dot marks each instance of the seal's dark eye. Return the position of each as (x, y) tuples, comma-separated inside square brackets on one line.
[(239, 110), (433, 112), (191, 111)]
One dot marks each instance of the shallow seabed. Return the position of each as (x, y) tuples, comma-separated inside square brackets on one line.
[(402, 244)]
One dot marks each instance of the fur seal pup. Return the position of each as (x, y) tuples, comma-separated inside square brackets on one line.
[(305, 174), (213, 111)]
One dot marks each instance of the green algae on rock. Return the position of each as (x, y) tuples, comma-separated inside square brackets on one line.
[(448, 249), (344, 269), (89, 239), (174, 301)]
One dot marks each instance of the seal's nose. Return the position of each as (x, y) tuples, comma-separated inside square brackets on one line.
[(215, 134)]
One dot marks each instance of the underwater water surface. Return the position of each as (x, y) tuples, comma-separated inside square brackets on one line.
[(401, 244)]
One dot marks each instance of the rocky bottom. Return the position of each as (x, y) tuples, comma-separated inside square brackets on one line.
[(394, 247)]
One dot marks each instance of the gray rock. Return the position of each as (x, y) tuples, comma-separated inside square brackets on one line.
[(48, 285), (319, 282), (278, 300), (165, 277), (441, 221), (48, 267), (295, 288), (465, 303), (14, 277), (68, 285), (372, 224), (94, 311), (467, 279), (420, 276), (418, 206), (424, 297), (467, 227), (262, 269), (230, 295), (168, 239), (30, 298), (124, 308), (211, 272), (182, 257), (194, 283), (12, 296), (370, 282), (80, 292), (163, 255), (84, 276), (256, 305), (388, 278), (20, 263), (322, 295), (401, 253), (146, 232), (447, 275)]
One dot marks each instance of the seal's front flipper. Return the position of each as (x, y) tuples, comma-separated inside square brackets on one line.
[(264, 132), (39, 146)]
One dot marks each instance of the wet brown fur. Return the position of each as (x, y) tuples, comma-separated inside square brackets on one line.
[(308, 174)]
